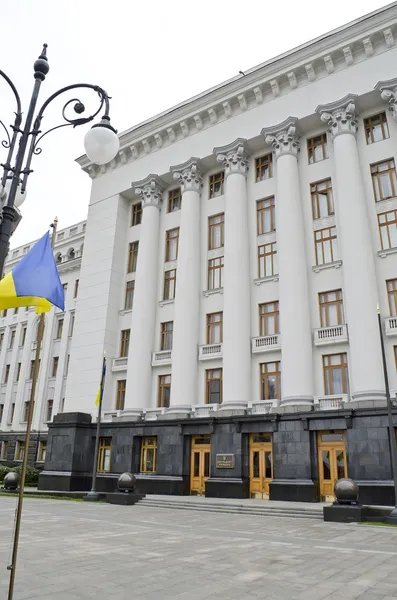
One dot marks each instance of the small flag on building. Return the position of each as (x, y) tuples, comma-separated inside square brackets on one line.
[(99, 395), (34, 281)]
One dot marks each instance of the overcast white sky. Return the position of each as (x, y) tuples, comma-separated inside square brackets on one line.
[(148, 55)]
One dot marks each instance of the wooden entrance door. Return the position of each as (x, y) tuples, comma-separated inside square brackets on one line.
[(200, 464), (331, 462), (261, 464)]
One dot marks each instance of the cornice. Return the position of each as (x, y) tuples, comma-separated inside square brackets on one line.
[(69, 265), (318, 58), (337, 104)]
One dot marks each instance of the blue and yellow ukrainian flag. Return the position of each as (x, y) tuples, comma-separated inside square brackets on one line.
[(34, 281), (99, 395)]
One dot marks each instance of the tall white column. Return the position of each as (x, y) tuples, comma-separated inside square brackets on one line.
[(139, 371), (360, 295), (187, 294), (295, 325), (236, 279)]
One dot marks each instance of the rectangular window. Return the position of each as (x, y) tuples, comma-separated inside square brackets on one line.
[(3, 450), (169, 284), (213, 386), (23, 337), (104, 454), (265, 215), (55, 362), (270, 380), (164, 391), (132, 257), (376, 128), (216, 184), (67, 364), (384, 180), (331, 308), (136, 214), (65, 286), (388, 229), (322, 199), (62, 405), (12, 339), (71, 327), (174, 200), (129, 295), (326, 245), (216, 226), (171, 244), (317, 148), (12, 412), (120, 396), (124, 342), (391, 286), (148, 454), (59, 329), (18, 371), (50, 406), (42, 452), (25, 411), (1, 412), (19, 451), (263, 167), (4, 313), (32, 368), (267, 260), (215, 273), (215, 328), (1, 340), (167, 330), (76, 288), (6, 374), (269, 318), (336, 380), (16, 311)]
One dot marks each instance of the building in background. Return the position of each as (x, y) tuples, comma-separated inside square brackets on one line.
[(235, 253)]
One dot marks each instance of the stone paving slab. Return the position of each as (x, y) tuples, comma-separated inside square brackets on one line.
[(77, 551)]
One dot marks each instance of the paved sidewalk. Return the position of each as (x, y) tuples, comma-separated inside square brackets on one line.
[(75, 551)]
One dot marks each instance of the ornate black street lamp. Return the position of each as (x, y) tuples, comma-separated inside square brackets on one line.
[(101, 144)]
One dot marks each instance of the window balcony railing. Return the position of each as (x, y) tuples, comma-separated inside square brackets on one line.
[(262, 407), (334, 402), (204, 410), (330, 335), (152, 414), (266, 343), (210, 351), (120, 364), (391, 326), (163, 357)]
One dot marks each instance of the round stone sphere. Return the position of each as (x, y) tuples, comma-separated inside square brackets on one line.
[(126, 482), (11, 481), (346, 491)]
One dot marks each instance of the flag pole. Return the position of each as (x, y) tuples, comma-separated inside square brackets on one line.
[(40, 332), (93, 495)]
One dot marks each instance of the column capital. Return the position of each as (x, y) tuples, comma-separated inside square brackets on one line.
[(340, 115), (234, 157), (189, 174), (150, 190), (388, 91), (283, 138)]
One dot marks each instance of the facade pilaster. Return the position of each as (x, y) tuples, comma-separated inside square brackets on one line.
[(295, 325), (236, 275), (187, 296), (360, 295), (139, 371)]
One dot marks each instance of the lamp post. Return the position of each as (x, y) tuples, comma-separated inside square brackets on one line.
[(392, 518), (101, 144)]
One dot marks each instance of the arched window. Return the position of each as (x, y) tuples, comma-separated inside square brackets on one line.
[(58, 258), (71, 254)]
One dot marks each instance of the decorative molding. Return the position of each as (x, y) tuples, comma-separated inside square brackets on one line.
[(208, 293), (266, 279), (275, 87), (184, 128), (258, 95), (324, 222), (171, 135), (189, 174), (310, 72), (368, 47), (233, 157), (242, 101), (389, 37), (146, 146), (387, 252), (332, 265), (348, 56), (293, 82), (198, 121), (386, 205), (283, 137), (388, 91), (228, 109), (159, 140), (212, 115), (329, 64), (340, 115), (149, 190)]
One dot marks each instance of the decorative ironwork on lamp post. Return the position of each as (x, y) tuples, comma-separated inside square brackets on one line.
[(101, 143)]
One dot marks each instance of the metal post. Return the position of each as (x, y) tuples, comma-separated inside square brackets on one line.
[(392, 518), (93, 495), (40, 332)]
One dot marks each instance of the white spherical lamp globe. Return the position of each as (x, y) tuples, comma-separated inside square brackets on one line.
[(5, 192), (101, 143)]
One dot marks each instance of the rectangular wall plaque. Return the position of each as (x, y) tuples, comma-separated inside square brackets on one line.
[(225, 461)]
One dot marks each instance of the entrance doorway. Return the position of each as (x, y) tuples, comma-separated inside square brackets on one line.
[(200, 464), (331, 462), (261, 464)]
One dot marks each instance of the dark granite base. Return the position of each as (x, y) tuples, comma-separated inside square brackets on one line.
[(123, 498), (378, 493), (226, 487), (64, 482), (344, 514), (293, 490)]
